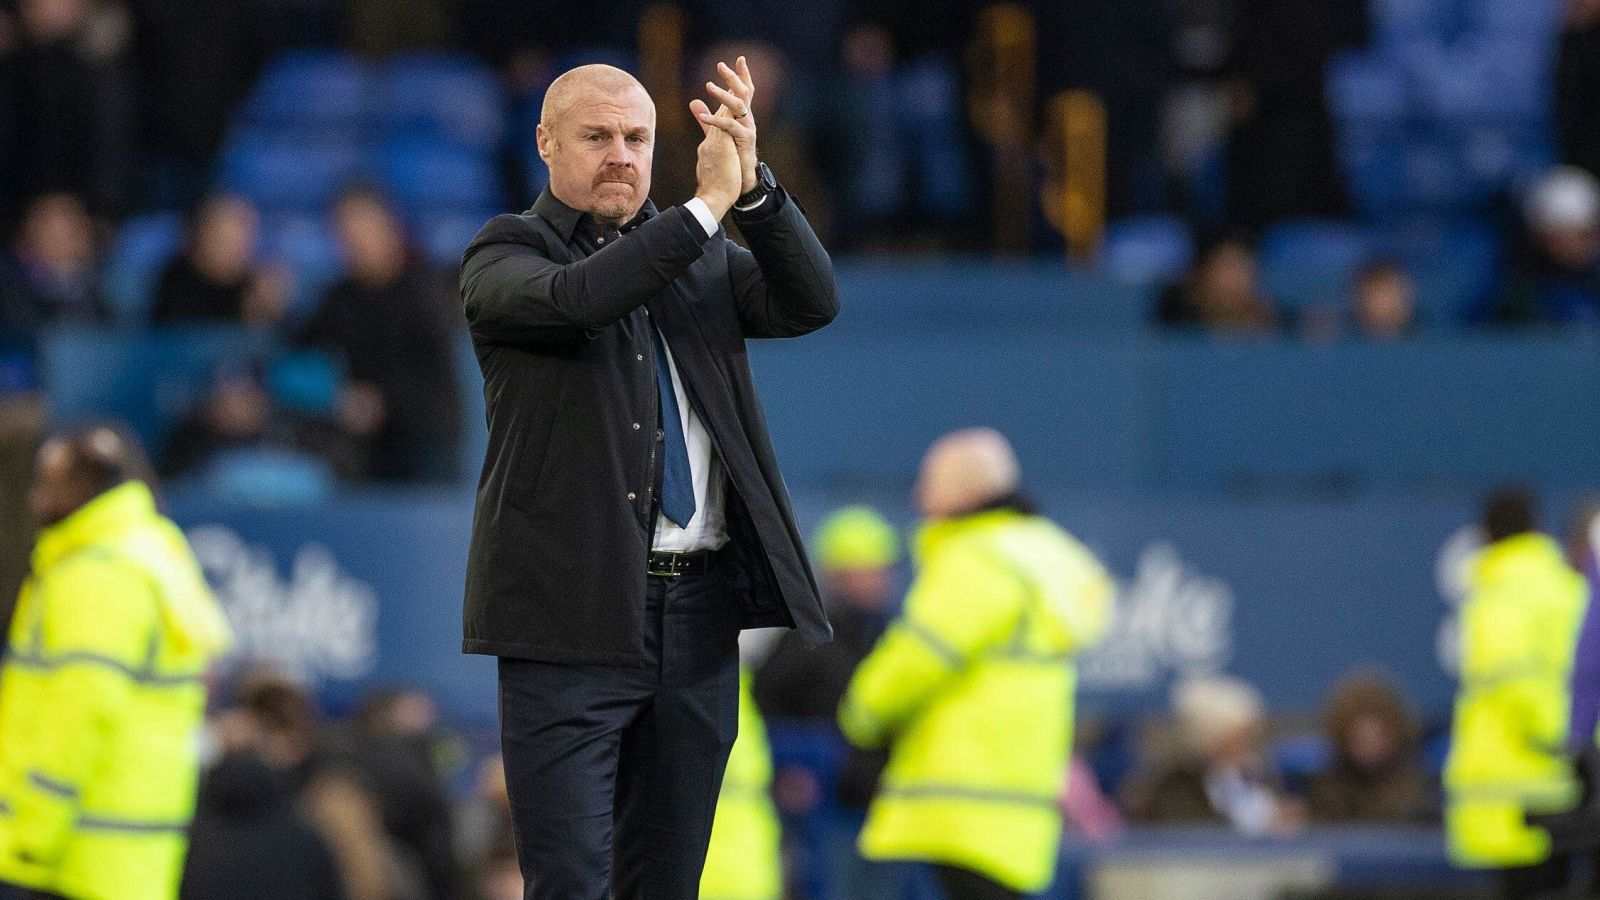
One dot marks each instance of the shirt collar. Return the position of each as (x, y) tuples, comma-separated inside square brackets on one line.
[(567, 220)]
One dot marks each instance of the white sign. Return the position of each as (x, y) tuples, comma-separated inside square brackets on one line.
[(1171, 620), (318, 623)]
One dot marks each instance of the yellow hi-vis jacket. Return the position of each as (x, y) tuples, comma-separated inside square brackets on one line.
[(1519, 631), (102, 695), (972, 688), (742, 862)]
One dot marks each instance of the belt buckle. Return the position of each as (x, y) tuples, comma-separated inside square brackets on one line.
[(669, 569)]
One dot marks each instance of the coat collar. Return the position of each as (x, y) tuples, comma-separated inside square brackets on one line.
[(935, 535), (127, 504), (566, 220)]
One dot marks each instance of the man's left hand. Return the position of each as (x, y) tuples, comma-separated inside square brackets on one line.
[(736, 117)]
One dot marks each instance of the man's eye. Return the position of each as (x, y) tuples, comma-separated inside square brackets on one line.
[(595, 138)]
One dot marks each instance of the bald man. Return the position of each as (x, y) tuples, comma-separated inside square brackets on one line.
[(971, 688), (631, 518)]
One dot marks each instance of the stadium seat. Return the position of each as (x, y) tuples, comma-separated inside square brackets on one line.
[(285, 174), (1500, 80), (306, 247), (1454, 263), (1310, 262), (305, 381), (315, 90), (448, 98), (1369, 88), (430, 177), (268, 477), (1401, 21), (141, 249), (1374, 164), (1533, 19), (443, 236), (1147, 249)]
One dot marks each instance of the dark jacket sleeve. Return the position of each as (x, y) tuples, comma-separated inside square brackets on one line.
[(514, 293), (783, 285)]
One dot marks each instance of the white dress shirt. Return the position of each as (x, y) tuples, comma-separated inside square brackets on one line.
[(707, 529)]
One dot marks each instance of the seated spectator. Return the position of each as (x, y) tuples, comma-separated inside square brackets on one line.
[(1376, 777), (483, 819), (215, 278), (1221, 773), (395, 330), (240, 413), (1384, 304), (1221, 294), (52, 273), (1554, 276)]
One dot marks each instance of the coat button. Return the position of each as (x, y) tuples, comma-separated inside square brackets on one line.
[(660, 435), (639, 357), (632, 496), (636, 426)]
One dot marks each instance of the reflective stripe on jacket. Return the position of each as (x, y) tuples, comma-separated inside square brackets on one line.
[(972, 689), (101, 698), (1518, 631)]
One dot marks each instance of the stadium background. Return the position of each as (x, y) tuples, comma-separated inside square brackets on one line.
[(1010, 191)]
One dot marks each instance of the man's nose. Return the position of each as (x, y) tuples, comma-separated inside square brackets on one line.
[(620, 156)]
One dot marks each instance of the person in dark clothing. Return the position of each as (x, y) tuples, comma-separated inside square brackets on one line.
[(215, 278), (52, 274), (1578, 86), (1282, 161), (388, 323), (1222, 293), (1554, 276), (248, 841), (72, 105), (631, 517), (1376, 776)]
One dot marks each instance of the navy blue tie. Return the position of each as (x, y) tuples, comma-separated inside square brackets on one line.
[(677, 481)]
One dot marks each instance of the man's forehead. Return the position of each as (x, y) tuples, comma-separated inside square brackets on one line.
[(633, 107)]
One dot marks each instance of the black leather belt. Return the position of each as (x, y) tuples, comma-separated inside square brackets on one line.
[(671, 563)]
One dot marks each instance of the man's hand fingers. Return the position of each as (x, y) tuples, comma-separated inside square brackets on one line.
[(726, 123), (730, 100), (735, 82), (699, 109), (744, 75)]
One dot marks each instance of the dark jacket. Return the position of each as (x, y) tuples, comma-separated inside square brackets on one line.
[(566, 501)]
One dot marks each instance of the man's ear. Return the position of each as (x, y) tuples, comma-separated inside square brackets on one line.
[(543, 138)]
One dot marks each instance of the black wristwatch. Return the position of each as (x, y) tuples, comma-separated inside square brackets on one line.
[(765, 184)]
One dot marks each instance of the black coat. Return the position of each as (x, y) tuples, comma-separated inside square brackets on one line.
[(565, 504)]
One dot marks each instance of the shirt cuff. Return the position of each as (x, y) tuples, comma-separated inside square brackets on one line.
[(702, 214)]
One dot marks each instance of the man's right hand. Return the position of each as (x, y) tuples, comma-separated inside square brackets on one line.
[(717, 172)]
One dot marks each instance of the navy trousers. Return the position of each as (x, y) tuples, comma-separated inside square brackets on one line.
[(614, 772)]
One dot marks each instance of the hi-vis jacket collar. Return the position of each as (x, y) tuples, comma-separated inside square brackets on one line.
[(126, 505), (933, 535)]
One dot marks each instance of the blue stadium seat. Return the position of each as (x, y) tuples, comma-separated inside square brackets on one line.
[(305, 381), (312, 89), (1368, 87), (142, 248), (1401, 21), (283, 174), (268, 477), (427, 176), (1310, 262), (449, 98), (1147, 249), (1455, 265), (443, 236), (1500, 80), (1534, 19), (306, 247), (1374, 164)]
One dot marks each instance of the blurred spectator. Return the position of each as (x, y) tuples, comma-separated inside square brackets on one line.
[(1384, 304), (483, 819), (73, 104), (856, 552), (215, 278), (196, 59), (497, 876), (250, 842), (1519, 624), (278, 721), (1222, 293), (1085, 808), (391, 325), (52, 273), (1583, 553), (395, 752), (905, 137), (1578, 86), (1281, 161), (1555, 269), (240, 413), (1376, 777), (1221, 772)]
